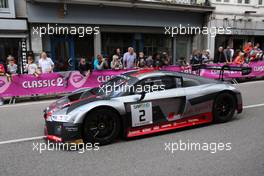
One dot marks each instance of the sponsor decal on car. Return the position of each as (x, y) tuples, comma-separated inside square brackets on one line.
[(194, 120)]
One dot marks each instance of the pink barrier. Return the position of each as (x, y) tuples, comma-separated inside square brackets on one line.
[(23, 85), (257, 71)]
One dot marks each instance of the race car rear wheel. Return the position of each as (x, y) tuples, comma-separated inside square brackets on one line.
[(224, 107), (101, 126)]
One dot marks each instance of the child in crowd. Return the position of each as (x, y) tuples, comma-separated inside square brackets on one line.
[(116, 63), (31, 67), (205, 58), (240, 59), (12, 66), (3, 70), (141, 61), (149, 61)]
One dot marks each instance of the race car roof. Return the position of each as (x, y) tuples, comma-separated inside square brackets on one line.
[(145, 73)]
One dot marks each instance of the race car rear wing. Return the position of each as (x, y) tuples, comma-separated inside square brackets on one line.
[(242, 69)]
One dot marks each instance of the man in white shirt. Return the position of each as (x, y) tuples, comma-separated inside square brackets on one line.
[(45, 63), (129, 58)]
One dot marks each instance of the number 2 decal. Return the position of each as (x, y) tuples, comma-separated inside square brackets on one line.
[(141, 114)]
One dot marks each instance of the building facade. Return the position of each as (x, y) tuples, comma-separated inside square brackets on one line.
[(125, 23), (244, 17), (139, 24)]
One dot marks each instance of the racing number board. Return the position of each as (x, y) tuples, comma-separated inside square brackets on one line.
[(141, 114)]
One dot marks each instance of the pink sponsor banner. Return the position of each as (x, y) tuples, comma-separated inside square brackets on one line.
[(24, 85), (257, 71)]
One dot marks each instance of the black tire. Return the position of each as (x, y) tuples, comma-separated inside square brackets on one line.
[(101, 126), (224, 107)]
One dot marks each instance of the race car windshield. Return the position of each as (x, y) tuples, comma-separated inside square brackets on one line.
[(112, 88)]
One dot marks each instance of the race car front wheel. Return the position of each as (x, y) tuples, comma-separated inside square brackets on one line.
[(224, 107), (101, 126)]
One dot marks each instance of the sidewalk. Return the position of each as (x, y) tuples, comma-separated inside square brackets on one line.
[(11, 100)]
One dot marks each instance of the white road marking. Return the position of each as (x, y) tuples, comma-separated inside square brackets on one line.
[(251, 82), (22, 140), (43, 137), (253, 106)]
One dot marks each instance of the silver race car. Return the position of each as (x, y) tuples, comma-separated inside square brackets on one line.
[(138, 103)]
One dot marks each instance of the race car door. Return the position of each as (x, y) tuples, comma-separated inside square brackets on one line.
[(161, 100)]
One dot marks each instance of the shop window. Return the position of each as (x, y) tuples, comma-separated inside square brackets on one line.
[(157, 43), (9, 46), (84, 47), (260, 2), (111, 41), (247, 1), (243, 1), (182, 49), (148, 43)]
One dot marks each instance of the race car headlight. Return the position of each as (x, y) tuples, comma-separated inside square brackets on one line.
[(61, 118)]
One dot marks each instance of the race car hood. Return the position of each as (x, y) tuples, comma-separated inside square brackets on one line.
[(74, 100), (84, 101), (69, 99)]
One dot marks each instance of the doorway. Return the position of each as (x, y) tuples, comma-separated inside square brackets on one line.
[(62, 50)]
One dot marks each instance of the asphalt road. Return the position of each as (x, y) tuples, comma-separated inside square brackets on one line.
[(144, 156)]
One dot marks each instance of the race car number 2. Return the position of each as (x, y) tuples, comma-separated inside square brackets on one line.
[(141, 114)]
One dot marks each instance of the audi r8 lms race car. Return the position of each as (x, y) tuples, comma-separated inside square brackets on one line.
[(138, 103)]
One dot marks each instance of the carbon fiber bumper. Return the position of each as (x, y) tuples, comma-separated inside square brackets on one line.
[(62, 132)]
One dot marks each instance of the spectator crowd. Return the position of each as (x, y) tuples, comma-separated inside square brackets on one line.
[(248, 54), (131, 59)]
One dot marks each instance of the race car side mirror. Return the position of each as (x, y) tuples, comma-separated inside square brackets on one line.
[(143, 94)]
